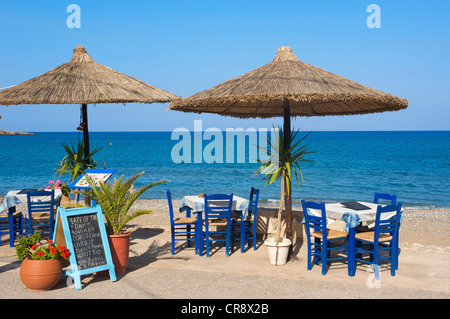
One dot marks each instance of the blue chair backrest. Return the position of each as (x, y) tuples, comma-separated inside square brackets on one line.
[(169, 199), (40, 206), (253, 202), (384, 196), (312, 221), (387, 225), (218, 206)]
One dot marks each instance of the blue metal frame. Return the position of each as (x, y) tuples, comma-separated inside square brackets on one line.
[(91, 171), (74, 272), (219, 212), (320, 249), (393, 199), (384, 196), (14, 227), (183, 231), (40, 207), (248, 226), (382, 226)]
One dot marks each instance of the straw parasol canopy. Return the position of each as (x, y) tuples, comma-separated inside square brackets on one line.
[(83, 81), (311, 91), (289, 87)]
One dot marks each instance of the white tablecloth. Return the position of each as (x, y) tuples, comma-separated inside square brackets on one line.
[(336, 211), (197, 204), (13, 198)]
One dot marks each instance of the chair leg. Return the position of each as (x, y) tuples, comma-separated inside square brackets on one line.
[(200, 238), (188, 236), (324, 257), (243, 234), (173, 243), (207, 243), (196, 238), (21, 225), (11, 229), (254, 235), (393, 257), (396, 252), (50, 231), (309, 256), (230, 238)]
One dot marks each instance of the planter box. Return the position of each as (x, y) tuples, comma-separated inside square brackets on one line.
[(267, 223)]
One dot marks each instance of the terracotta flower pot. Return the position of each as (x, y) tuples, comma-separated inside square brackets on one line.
[(120, 249), (40, 274)]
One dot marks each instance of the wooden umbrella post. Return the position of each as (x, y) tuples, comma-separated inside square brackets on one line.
[(85, 129), (87, 200)]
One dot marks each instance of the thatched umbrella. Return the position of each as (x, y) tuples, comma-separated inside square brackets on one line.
[(288, 87), (83, 81)]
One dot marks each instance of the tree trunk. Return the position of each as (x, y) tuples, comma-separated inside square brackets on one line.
[(288, 185), (280, 209)]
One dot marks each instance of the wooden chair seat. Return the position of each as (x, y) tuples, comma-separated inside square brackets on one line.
[(184, 220), (217, 222), (331, 234), (238, 219), (37, 216), (369, 236)]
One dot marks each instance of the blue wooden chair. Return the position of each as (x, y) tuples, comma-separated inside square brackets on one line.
[(380, 244), (16, 230), (218, 215), (40, 213), (183, 228), (393, 199), (384, 196), (247, 227), (324, 239)]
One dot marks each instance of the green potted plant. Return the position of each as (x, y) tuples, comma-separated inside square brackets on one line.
[(116, 199), (75, 163), (41, 266), (281, 165)]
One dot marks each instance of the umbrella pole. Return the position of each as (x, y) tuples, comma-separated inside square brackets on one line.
[(87, 200), (288, 196), (85, 129)]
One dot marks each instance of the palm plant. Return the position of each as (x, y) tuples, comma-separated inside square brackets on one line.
[(116, 199), (285, 160), (75, 162)]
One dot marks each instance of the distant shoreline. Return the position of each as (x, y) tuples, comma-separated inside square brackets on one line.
[(7, 133)]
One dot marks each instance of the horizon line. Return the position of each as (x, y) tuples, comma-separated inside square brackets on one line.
[(425, 130)]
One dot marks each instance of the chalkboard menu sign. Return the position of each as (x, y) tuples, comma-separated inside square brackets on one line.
[(85, 236), (87, 241)]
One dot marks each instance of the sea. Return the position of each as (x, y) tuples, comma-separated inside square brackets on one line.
[(345, 166)]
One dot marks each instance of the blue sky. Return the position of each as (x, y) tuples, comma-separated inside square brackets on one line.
[(189, 46)]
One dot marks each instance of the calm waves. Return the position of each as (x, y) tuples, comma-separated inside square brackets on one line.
[(347, 166)]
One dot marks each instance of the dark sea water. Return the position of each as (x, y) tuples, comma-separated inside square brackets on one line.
[(415, 165)]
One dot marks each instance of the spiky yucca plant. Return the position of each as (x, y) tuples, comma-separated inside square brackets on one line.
[(284, 160), (116, 199), (75, 162)]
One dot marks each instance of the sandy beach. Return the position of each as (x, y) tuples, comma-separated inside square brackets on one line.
[(153, 273)]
